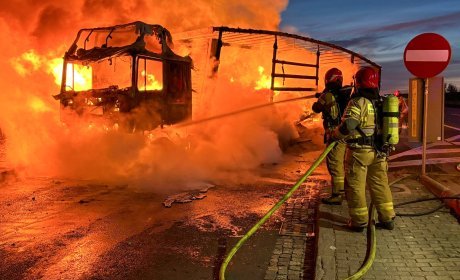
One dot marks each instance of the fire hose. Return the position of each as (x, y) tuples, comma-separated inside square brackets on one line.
[(371, 236), (271, 211), (244, 110), (371, 240), (371, 247)]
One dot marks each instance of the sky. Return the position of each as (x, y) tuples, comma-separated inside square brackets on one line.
[(379, 30)]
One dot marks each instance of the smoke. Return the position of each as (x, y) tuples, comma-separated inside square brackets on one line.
[(47, 22), (36, 33), (222, 149)]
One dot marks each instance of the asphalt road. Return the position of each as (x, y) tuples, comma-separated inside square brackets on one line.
[(61, 229), (58, 229)]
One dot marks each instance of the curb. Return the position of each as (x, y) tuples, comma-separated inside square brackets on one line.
[(440, 190)]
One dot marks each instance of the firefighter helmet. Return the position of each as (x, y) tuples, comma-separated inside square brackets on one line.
[(367, 77), (333, 75), (397, 93)]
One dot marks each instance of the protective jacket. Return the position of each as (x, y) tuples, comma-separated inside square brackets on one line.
[(360, 122), (331, 103), (363, 163)]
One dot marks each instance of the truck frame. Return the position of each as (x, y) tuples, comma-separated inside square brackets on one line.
[(125, 76)]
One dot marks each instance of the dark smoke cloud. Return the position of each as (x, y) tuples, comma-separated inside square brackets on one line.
[(432, 23)]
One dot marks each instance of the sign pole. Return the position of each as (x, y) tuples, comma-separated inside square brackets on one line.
[(425, 121), (426, 56)]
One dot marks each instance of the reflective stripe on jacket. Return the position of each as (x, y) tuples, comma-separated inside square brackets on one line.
[(330, 110), (362, 110)]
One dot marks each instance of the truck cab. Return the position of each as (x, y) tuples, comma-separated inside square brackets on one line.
[(125, 76)]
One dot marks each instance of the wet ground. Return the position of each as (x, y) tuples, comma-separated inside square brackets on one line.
[(51, 228), (60, 229)]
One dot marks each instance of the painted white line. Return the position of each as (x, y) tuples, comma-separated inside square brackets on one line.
[(433, 151), (418, 151), (452, 127), (427, 55), (453, 138), (448, 142), (418, 162)]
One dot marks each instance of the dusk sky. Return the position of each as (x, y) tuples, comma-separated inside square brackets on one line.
[(379, 30)]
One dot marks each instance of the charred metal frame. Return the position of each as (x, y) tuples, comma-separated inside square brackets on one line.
[(159, 102), (277, 34), (275, 49)]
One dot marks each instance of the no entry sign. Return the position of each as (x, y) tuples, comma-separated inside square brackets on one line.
[(427, 55)]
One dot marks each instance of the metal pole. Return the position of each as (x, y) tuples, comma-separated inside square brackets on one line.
[(145, 74), (443, 111), (317, 67), (272, 85), (425, 117), (219, 45), (218, 50), (64, 76)]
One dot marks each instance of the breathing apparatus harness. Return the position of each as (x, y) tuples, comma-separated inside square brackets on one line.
[(341, 98), (386, 130)]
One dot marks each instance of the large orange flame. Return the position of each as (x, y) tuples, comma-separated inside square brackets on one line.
[(79, 77), (152, 82), (33, 67)]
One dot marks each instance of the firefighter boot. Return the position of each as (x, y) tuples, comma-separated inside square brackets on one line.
[(334, 199), (350, 226), (389, 225)]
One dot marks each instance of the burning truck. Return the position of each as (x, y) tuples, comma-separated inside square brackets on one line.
[(125, 76), (129, 76)]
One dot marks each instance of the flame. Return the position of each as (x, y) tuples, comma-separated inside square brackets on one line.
[(264, 81), (35, 58), (30, 62), (79, 77), (27, 62), (152, 82), (38, 105)]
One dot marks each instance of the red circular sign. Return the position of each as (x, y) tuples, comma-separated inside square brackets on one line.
[(427, 55)]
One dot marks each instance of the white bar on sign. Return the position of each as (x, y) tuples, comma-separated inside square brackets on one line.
[(427, 55)]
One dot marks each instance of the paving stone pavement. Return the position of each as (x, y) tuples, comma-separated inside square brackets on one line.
[(426, 247), (295, 249)]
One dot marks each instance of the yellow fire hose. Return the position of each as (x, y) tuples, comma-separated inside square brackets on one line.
[(371, 247), (271, 211), (371, 238)]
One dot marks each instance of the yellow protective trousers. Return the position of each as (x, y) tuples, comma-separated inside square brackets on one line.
[(335, 165), (364, 166)]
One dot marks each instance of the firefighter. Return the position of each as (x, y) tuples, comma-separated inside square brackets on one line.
[(331, 104), (403, 108), (365, 163)]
